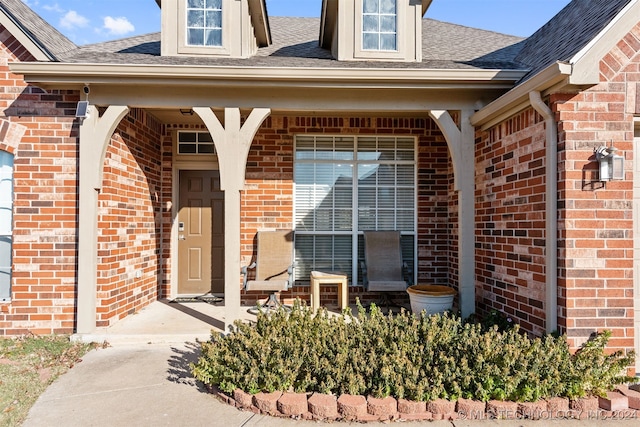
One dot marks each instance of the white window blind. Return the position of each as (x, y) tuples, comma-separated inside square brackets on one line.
[(345, 185)]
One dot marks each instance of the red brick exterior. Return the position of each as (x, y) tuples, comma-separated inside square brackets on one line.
[(510, 220), (596, 221), (595, 236), (268, 199), (45, 182), (129, 219)]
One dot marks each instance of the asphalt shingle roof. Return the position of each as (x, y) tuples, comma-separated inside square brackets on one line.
[(295, 44), (37, 28), (568, 32)]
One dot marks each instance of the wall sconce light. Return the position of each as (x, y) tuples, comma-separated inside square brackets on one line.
[(186, 111), (611, 164)]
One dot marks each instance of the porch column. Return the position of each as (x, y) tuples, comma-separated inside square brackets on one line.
[(461, 142), (232, 142), (95, 134)]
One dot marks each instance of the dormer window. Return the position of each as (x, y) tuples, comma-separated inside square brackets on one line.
[(204, 22), (373, 30), (379, 25), (214, 28)]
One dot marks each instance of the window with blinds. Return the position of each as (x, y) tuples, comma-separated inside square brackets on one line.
[(345, 185), (6, 223)]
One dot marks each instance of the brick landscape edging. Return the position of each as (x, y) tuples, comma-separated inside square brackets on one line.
[(624, 403)]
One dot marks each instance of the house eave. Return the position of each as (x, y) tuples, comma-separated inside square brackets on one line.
[(33, 46), (584, 71), (553, 77), (74, 76)]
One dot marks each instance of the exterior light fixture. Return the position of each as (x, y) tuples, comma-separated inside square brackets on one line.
[(611, 164)]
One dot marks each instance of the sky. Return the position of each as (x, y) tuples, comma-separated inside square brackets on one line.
[(94, 21)]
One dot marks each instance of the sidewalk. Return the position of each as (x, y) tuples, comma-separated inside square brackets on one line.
[(144, 380)]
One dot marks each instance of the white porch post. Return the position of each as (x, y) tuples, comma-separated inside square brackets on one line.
[(232, 143), (95, 134), (461, 143)]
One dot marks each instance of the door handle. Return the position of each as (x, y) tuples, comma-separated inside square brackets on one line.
[(181, 237)]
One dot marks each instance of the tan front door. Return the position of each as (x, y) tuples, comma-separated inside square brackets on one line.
[(200, 233)]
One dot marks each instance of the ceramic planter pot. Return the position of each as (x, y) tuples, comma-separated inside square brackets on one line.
[(432, 298)]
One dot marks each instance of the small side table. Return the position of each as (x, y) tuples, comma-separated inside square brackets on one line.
[(332, 277)]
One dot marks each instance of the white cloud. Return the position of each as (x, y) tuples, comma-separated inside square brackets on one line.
[(53, 8), (118, 26), (73, 20)]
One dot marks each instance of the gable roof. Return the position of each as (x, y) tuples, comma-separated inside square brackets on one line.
[(295, 44), (567, 33), (41, 39)]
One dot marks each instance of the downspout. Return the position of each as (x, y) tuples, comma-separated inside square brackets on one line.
[(551, 229)]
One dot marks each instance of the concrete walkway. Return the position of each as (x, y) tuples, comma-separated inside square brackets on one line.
[(143, 379)]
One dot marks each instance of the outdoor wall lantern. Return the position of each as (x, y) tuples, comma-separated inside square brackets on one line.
[(611, 164)]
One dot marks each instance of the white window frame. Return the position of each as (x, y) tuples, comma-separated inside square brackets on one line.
[(183, 47), (206, 27), (401, 19), (197, 143), (355, 233), (6, 225)]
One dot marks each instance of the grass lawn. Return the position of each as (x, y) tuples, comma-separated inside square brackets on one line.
[(27, 366)]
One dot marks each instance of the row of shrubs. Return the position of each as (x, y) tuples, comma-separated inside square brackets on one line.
[(413, 357)]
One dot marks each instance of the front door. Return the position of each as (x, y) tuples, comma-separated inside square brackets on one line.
[(200, 233)]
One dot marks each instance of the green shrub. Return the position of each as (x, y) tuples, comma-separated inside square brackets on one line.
[(403, 355)]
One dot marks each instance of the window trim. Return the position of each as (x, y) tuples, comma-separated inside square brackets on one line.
[(7, 299), (192, 156), (204, 10), (379, 32), (183, 47), (399, 53), (355, 231)]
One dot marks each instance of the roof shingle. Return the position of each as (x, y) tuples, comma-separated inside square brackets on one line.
[(50, 39), (568, 32), (295, 44)]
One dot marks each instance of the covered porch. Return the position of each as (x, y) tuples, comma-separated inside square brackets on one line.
[(244, 123)]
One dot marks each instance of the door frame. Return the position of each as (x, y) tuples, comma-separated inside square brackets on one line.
[(175, 201)]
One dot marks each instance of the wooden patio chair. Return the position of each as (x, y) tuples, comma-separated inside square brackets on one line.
[(274, 267), (383, 269)]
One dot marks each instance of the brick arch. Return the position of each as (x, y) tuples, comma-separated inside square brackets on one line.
[(10, 135)]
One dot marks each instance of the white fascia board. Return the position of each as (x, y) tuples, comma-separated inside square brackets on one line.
[(260, 22), (32, 46), (56, 74), (518, 98), (585, 62)]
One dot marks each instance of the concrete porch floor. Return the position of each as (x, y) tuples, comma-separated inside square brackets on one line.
[(164, 321)]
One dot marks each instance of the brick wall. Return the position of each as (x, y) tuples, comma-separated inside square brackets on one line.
[(268, 200), (596, 222), (595, 237), (129, 219), (510, 220), (42, 135)]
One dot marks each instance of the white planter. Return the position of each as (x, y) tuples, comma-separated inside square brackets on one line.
[(432, 298)]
